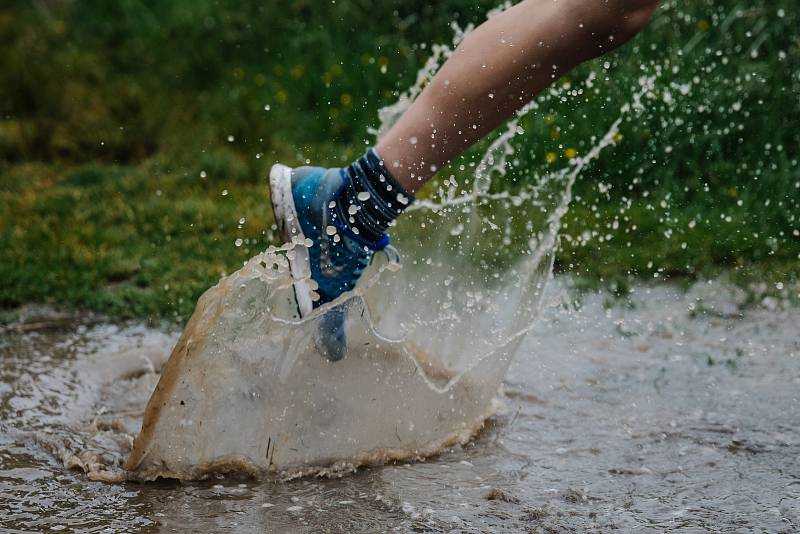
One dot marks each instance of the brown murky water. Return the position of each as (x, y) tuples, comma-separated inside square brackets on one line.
[(675, 412)]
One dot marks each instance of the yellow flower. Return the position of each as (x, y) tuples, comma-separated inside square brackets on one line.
[(617, 137), (703, 25), (346, 99), (570, 153), (549, 119), (551, 157)]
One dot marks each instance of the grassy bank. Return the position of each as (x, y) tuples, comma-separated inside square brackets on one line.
[(134, 137)]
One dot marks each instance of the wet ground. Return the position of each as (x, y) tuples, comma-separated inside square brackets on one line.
[(672, 411)]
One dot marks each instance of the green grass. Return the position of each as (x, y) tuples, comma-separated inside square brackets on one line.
[(110, 112), (125, 240)]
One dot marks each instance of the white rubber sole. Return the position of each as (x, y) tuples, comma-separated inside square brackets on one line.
[(280, 187)]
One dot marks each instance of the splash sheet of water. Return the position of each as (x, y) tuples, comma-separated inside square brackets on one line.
[(247, 390)]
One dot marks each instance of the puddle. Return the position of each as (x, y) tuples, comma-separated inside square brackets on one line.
[(659, 415)]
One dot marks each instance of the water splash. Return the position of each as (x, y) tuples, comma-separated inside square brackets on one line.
[(246, 388)]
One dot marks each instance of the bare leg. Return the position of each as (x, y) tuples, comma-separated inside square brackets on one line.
[(496, 70)]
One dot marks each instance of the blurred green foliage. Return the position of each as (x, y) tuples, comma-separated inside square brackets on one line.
[(122, 123), (91, 80)]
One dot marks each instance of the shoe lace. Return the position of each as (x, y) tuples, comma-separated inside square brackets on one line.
[(361, 258), (354, 258)]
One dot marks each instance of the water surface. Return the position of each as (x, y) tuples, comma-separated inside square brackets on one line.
[(671, 411)]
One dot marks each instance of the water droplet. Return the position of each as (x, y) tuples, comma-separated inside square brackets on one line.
[(230, 139), (203, 174), (241, 221), (224, 192), (413, 140), (352, 209), (363, 195), (330, 230), (266, 107), (238, 242)]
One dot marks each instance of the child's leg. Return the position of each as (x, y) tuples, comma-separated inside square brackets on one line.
[(497, 69)]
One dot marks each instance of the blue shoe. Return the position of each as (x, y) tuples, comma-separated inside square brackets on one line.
[(333, 259)]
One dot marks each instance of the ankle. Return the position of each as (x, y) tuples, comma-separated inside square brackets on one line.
[(369, 200)]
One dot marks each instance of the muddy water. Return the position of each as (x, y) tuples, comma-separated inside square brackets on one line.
[(671, 411)]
